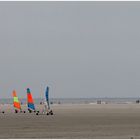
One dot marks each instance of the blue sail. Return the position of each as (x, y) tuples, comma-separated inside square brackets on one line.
[(31, 106), (47, 97)]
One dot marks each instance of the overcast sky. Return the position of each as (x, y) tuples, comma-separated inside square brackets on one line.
[(79, 49)]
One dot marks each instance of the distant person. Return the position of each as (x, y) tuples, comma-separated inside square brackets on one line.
[(137, 101)]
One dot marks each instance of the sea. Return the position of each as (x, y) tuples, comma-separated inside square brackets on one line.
[(76, 100)]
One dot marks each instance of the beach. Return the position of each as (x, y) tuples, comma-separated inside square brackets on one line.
[(74, 121)]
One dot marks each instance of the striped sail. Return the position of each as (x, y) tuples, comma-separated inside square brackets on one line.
[(30, 101), (16, 102)]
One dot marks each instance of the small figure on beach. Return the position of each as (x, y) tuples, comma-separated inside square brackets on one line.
[(137, 101), (99, 101)]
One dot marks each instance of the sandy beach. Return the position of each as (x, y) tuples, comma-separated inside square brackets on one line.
[(74, 121)]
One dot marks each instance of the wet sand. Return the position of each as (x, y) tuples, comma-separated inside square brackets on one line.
[(74, 121)]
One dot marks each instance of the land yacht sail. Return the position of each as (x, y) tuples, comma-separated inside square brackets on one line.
[(16, 103), (30, 102), (47, 109)]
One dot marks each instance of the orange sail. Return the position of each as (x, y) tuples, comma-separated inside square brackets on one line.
[(30, 100), (16, 102)]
